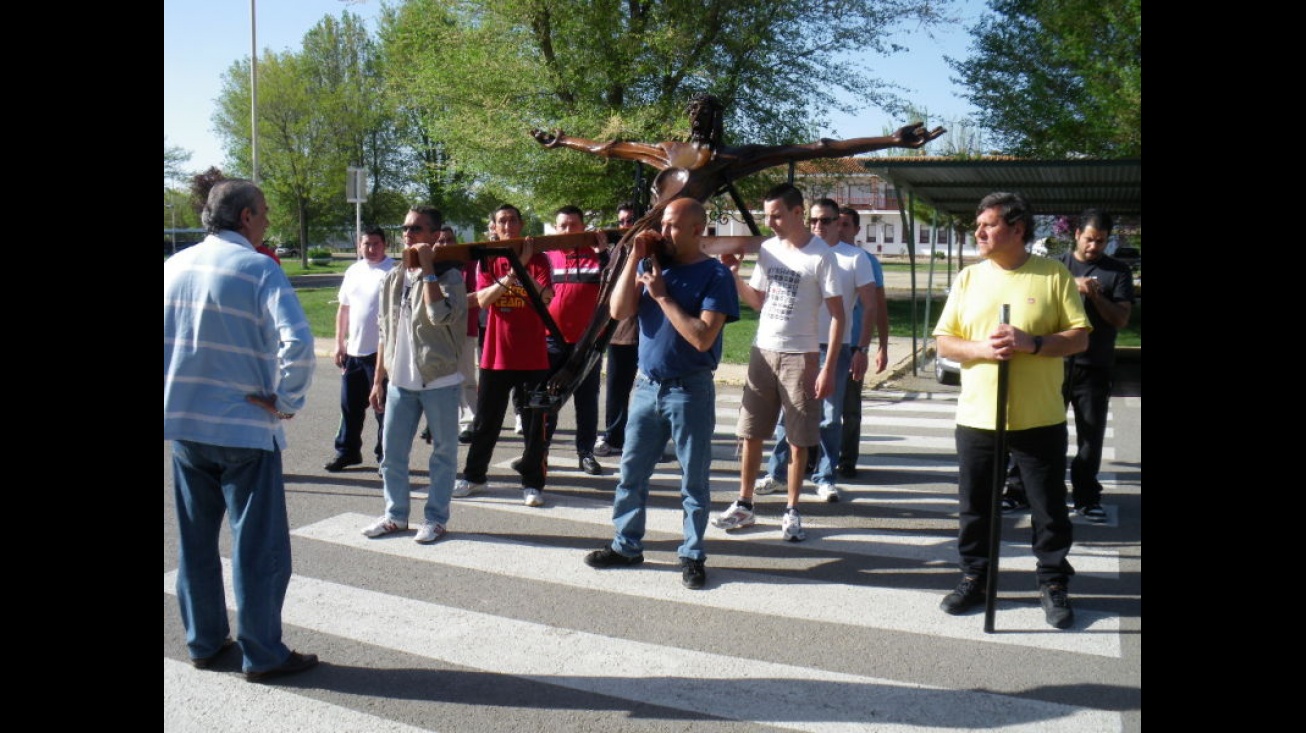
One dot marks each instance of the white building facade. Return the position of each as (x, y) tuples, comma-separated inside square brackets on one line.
[(883, 232)]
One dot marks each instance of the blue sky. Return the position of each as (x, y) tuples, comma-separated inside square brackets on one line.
[(202, 38)]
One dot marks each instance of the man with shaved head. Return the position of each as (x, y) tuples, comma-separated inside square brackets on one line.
[(682, 299)]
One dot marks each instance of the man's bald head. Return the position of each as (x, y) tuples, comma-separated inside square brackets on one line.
[(683, 222), (693, 211)]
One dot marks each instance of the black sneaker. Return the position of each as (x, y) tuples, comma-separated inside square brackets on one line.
[(340, 463), (692, 573), (590, 465), (969, 593), (465, 436), (1014, 501), (1056, 605), (1092, 512), (848, 470), (610, 558)]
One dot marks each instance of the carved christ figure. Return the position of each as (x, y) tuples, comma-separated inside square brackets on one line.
[(700, 169), (704, 167)]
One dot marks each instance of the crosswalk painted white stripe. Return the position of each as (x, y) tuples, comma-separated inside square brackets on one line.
[(898, 424), (781, 695), (195, 700), (890, 608)]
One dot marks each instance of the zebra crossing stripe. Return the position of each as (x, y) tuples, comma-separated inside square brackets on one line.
[(781, 695), (203, 701), (822, 535), (737, 590)]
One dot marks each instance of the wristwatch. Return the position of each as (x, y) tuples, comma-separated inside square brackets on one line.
[(855, 349), (432, 278), (1038, 344)]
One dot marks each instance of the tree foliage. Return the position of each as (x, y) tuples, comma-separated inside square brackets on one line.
[(174, 157), (320, 110), (482, 73), (1059, 78)]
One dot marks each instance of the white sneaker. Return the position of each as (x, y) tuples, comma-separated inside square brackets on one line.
[(791, 527), (429, 532), (384, 525), (734, 517), (463, 487), (532, 497), (517, 428), (603, 450), (828, 492), (768, 485)]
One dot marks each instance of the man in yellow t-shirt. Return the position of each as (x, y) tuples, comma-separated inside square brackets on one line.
[(1047, 323)]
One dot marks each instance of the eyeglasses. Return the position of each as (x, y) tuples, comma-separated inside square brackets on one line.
[(821, 220), (412, 227)]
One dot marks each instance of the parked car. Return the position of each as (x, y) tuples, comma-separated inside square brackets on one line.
[(286, 251), (946, 371)]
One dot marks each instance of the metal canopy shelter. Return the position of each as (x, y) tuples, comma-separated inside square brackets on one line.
[(1053, 187)]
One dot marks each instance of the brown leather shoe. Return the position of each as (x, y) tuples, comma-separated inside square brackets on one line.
[(294, 663), (206, 662)]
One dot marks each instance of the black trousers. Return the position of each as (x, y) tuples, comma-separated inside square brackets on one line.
[(585, 400), (355, 387), (850, 446), (1040, 453), (623, 365), (1088, 390), (494, 388)]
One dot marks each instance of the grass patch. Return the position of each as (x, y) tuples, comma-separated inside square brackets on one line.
[(293, 267), (320, 307)]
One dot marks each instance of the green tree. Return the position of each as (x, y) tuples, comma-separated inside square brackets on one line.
[(320, 110), (482, 73), (1059, 78), (174, 157)]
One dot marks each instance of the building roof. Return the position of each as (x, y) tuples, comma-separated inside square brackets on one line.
[(955, 186)]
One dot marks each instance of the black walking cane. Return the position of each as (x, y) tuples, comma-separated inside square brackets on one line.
[(999, 475)]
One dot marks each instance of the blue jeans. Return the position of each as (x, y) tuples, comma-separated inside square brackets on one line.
[(831, 428), (683, 410), (210, 481), (403, 413)]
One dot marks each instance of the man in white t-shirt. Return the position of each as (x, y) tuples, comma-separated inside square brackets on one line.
[(795, 275), (857, 282), (355, 352)]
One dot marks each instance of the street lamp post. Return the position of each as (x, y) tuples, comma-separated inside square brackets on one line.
[(172, 210)]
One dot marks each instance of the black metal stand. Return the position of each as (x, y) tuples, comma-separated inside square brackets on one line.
[(999, 476)]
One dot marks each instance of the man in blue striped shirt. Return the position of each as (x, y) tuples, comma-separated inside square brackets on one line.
[(237, 360)]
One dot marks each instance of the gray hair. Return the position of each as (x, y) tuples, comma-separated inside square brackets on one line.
[(226, 200)]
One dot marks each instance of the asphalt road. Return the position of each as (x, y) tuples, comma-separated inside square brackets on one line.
[(501, 627)]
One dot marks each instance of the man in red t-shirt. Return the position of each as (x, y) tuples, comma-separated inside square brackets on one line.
[(514, 361), (576, 276)]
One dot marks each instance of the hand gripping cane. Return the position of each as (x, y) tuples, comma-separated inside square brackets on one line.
[(999, 476)]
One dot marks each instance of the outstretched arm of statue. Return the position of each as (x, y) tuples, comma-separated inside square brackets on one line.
[(753, 158), (653, 155)]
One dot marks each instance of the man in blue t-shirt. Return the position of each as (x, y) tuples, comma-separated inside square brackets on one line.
[(682, 299)]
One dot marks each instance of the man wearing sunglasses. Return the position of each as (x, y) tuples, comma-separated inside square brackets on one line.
[(857, 281), (423, 322)]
